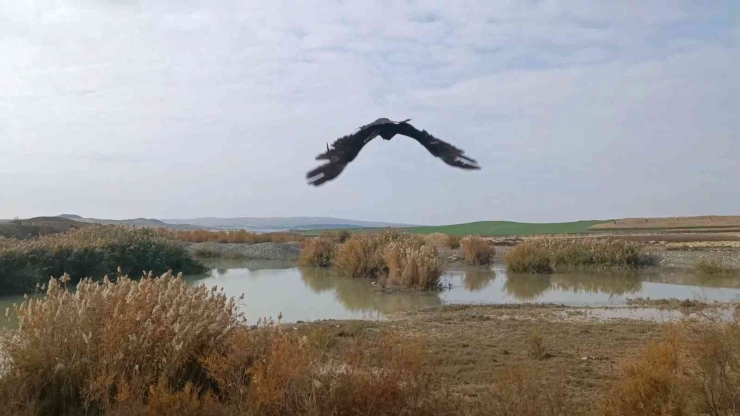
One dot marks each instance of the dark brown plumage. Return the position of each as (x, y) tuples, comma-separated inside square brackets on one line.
[(346, 149)]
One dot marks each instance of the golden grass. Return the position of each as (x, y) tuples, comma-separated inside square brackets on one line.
[(413, 266), (317, 251), (548, 254), (436, 239), (695, 370), (158, 346), (535, 345), (520, 390), (94, 250), (477, 250), (232, 236), (368, 256)]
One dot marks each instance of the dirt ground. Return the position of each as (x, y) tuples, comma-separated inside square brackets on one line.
[(472, 346)]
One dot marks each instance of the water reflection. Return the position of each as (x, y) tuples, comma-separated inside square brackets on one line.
[(476, 279), (358, 295), (527, 287), (271, 287)]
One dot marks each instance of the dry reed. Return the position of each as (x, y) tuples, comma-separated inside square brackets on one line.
[(477, 250), (436, 239), (364, 255), (317, 252), (694, 370), (158, 346), (413, 266), (548, 254), (232, 236)]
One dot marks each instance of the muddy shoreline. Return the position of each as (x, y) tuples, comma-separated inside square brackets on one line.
[(474, 346)]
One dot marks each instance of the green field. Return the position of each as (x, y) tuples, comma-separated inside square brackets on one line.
[(493, 228)]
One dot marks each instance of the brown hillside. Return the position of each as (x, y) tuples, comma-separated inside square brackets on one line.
[(33, 227), (706, 221)]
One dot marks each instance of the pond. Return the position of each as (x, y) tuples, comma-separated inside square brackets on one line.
[(307, 294)]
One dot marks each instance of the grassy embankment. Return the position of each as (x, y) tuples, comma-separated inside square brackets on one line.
[(94, 250)]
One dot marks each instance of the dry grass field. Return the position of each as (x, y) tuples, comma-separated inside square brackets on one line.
[(667, 223)]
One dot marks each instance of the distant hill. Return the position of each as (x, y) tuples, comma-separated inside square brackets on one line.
[(33, 227), (280, 223), (139, 222)]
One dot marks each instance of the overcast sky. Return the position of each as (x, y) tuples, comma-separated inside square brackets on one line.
[(575, 109)]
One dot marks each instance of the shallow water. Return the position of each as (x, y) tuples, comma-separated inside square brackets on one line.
[(307, 294)]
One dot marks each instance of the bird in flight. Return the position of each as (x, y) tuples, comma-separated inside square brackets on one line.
[(346, 148)]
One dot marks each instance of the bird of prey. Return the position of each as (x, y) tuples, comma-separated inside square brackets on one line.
[(346, 148)]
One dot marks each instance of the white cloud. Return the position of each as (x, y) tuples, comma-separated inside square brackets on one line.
[(598, 102)]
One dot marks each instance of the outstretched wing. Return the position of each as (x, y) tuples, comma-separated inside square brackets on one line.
[(343, 151), (445, 151)]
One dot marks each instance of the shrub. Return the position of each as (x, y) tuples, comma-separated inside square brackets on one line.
[(650, 384), (317, 252), (413, 266), (528, 258), (361, 256), (95, 250), (535, 344), (477, 250), (694, 370), (158, 346), (544, 255)]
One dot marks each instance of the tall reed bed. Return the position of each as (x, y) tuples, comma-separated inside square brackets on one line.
[(94, 250), (317, 252), (548, 254), (395, 258), (232, 236), (477, 250), (159, 346), (413, 266)]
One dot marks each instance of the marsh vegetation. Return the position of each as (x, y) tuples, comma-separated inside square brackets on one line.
[(551, 254), (231, 236), (94, 250)]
